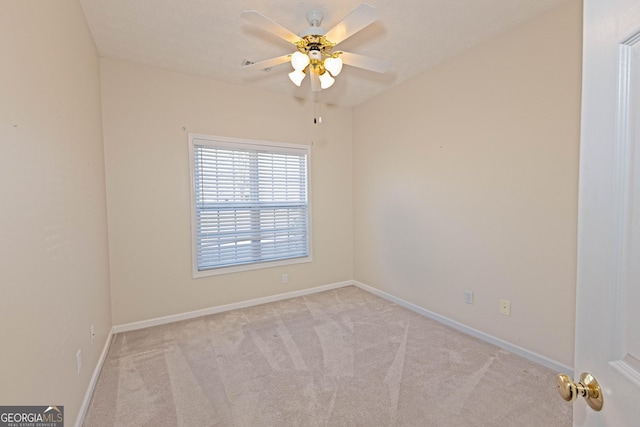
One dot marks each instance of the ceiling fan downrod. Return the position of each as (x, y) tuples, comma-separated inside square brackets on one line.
[(315, 17)]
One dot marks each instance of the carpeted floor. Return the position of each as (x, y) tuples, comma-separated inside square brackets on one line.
[(338, 358)]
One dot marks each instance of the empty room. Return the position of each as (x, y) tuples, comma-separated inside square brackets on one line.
[(319, 213)]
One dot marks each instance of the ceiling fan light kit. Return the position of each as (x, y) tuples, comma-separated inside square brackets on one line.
[(314, 54), (333, 65), (297, 76), (326, 81), (299, 61)]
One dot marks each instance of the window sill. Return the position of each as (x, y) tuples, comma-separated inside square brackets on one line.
[(248, 267)]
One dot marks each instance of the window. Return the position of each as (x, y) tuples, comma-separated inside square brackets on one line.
[(249, 204)]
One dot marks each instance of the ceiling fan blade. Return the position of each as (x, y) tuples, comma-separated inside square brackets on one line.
[(361, 17), (365, 62), (269, 63), (265, 23), (315, 81)]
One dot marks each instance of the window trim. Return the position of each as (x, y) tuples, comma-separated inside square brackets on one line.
[(220, 141)]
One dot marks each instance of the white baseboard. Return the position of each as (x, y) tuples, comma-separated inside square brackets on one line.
[(523, 352), (94, 379), (520, 351), (222, 308)]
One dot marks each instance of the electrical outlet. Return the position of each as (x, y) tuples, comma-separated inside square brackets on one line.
[(285, 279), (505, 307), (92, 332), (78, 361), (468, 297)]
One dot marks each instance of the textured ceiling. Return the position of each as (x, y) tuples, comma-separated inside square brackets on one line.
[(209, 38)]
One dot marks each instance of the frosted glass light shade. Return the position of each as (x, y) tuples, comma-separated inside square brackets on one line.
[(326, 81), (299, 61), (297, 77), (333, 65)]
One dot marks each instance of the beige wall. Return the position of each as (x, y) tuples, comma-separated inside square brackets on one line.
[(463, 178), (147, 114), (54, 280), (466, 178)]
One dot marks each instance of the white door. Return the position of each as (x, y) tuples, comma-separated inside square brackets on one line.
[(608, 297)]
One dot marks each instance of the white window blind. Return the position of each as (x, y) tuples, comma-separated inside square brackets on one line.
[(250, 203)]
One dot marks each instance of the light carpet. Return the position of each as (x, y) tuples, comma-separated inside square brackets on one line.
[(338, 358)]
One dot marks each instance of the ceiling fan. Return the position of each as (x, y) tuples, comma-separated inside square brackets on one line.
[(315, 54)]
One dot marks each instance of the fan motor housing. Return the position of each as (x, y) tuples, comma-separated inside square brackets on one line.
[(315, 54), (318, 44)]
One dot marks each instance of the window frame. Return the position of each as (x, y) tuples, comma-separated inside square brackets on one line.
[(240, 143)]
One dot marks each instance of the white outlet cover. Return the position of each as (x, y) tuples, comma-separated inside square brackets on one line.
[(468, 297), (505, 307)]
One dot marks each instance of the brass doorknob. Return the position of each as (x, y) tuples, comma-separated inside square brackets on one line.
[(588, 388)]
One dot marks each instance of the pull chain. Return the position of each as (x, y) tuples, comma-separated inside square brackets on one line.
[(317, 118)]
